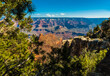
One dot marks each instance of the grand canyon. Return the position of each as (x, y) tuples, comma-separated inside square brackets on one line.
[(65, 28)]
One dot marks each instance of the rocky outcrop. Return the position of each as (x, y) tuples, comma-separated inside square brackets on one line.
[(79, 43)]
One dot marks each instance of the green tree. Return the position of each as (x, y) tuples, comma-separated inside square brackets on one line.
[(14, 11), (103, 32), (105, 26), (96, 33), (89, 33), (16, 58), (61, 62), (96, 29), (86, 63)]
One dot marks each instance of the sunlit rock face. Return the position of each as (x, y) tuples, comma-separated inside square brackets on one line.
[(64, 27), (76, 45), (79, 43)]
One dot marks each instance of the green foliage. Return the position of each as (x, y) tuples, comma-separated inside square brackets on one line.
[(106, 28), (87, 61), (56, 63), (96, 29), (26, 24), (34, 39), (60, 62), (89, 33), (16, 58), (14, 11), (14, 50), (96, 33), (103, 32)]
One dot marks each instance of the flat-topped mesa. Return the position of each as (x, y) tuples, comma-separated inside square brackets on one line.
[(79, 43)]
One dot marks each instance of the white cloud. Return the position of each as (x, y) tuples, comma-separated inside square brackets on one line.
[(62, 14), (50, 15)]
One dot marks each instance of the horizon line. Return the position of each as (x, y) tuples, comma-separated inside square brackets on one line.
[(69, 17)]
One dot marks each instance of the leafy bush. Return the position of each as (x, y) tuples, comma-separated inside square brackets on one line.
[(61, 63), (87, 61), (15, 57)]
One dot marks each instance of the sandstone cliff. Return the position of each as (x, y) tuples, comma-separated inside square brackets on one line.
[(80, 42)]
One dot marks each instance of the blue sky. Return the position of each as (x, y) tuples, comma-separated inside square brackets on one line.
[(71, 8)]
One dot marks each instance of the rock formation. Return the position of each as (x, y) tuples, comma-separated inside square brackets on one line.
[(79, 43)]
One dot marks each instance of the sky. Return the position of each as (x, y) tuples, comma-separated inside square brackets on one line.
[(71, 8)]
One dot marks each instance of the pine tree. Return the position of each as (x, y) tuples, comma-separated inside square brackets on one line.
[(16, 58)]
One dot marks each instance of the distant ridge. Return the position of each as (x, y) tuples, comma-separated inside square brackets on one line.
[(68, 17), (65, 27)]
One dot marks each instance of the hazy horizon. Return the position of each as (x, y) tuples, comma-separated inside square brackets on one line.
[(68, 17)]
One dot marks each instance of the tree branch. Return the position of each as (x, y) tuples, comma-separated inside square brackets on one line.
[(17, 65)]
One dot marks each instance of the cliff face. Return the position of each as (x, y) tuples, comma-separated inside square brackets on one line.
[(79, 43), (64, 27)]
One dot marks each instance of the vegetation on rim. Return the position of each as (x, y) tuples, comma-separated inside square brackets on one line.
[(17, 52)]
